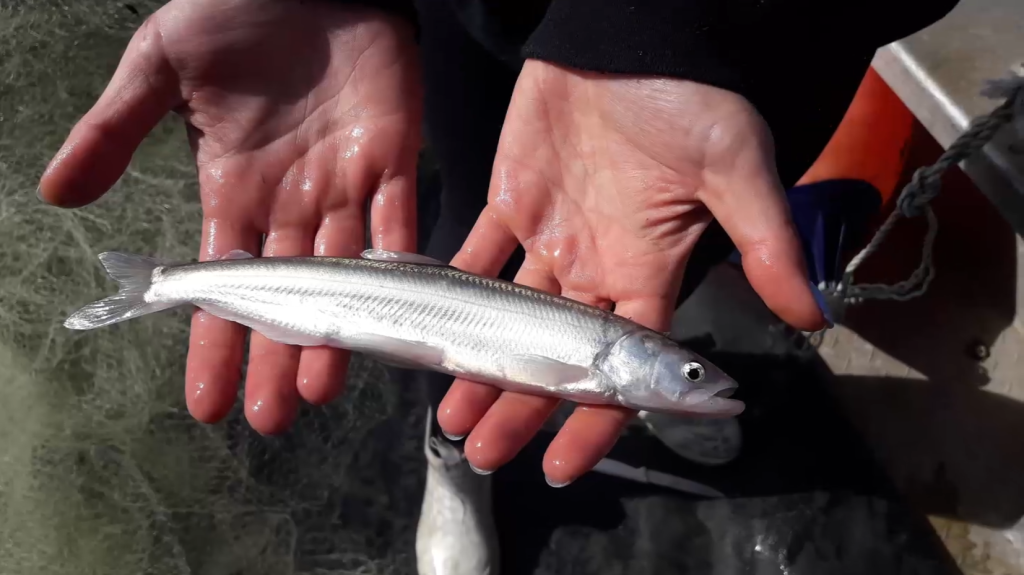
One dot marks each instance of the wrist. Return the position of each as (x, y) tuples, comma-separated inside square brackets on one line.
[(399, 14)]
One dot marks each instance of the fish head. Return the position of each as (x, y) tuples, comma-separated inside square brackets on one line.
[(653, 373)]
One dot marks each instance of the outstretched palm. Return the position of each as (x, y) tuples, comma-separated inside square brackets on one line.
[(607, 182), (299, 114)]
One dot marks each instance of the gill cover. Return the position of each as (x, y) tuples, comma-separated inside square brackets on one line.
[(653, 373)]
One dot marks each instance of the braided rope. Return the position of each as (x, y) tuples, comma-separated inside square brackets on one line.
[(923, 188)]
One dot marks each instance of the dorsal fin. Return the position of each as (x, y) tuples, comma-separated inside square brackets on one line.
[(236, 255), (400, 257)]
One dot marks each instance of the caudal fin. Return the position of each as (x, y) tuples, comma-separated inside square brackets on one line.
[(134, 276)]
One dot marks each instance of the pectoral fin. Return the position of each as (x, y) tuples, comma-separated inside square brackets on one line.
[(400, 257), (397, 352), (541, 370), (271, 331)]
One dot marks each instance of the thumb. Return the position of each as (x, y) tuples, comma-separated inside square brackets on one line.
[(488, 246), (750, 204), (100, 146)]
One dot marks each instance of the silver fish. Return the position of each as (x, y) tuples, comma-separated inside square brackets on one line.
[(455, 533), (409, 310)]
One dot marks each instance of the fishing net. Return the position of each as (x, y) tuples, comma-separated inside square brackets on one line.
[(101, 468)]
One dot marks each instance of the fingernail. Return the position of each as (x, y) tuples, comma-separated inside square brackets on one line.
[(452, 437), (822, 304), (555, 484), (479, 471), (39, 194)]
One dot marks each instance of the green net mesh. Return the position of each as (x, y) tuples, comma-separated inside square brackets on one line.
[(101, 468)]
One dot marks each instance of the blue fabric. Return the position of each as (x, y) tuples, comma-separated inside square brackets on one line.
[(831, 218)]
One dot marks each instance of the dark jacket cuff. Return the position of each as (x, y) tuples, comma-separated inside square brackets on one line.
[(799, 62), (404, 9)]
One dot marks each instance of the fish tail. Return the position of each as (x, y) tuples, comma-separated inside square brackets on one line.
[(427, 434), (134, 275)]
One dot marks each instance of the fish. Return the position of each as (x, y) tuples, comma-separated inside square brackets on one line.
[(456, 532), (412, 311)]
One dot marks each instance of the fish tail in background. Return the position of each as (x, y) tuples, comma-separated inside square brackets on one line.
[(428, 431), (134, 276)]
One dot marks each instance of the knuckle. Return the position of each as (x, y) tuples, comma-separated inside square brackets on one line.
[(148, 38), (737, 137)]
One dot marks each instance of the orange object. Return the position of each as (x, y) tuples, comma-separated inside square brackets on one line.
[(872, 141)]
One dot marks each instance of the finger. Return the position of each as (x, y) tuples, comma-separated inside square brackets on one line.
[(653, 311), (591, 431), (751, 206), (501, 429), (463, 406), (485, 251), (216, 346), (509, 424), (587, 436), (322, 370), (100, 146), (487, 248), (588, 298), (271, 396), (393, 215)]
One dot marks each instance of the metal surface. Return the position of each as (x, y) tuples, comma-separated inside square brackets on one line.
[(935, 385), (939, 73)]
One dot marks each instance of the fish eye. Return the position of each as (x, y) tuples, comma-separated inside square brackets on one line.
[(693, 372)]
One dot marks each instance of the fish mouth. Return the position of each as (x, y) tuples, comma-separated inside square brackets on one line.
[(723, 389), (712, 401)]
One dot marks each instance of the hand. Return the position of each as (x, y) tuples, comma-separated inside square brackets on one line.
[(298, 113), (607, 182)]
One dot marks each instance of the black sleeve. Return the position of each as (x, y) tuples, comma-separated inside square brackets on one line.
[(799, 62), (720, 42)]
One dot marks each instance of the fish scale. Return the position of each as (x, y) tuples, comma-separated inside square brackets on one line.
[(378, 296)]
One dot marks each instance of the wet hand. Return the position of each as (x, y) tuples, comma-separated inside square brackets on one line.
[(607, 182), (299, 114)]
